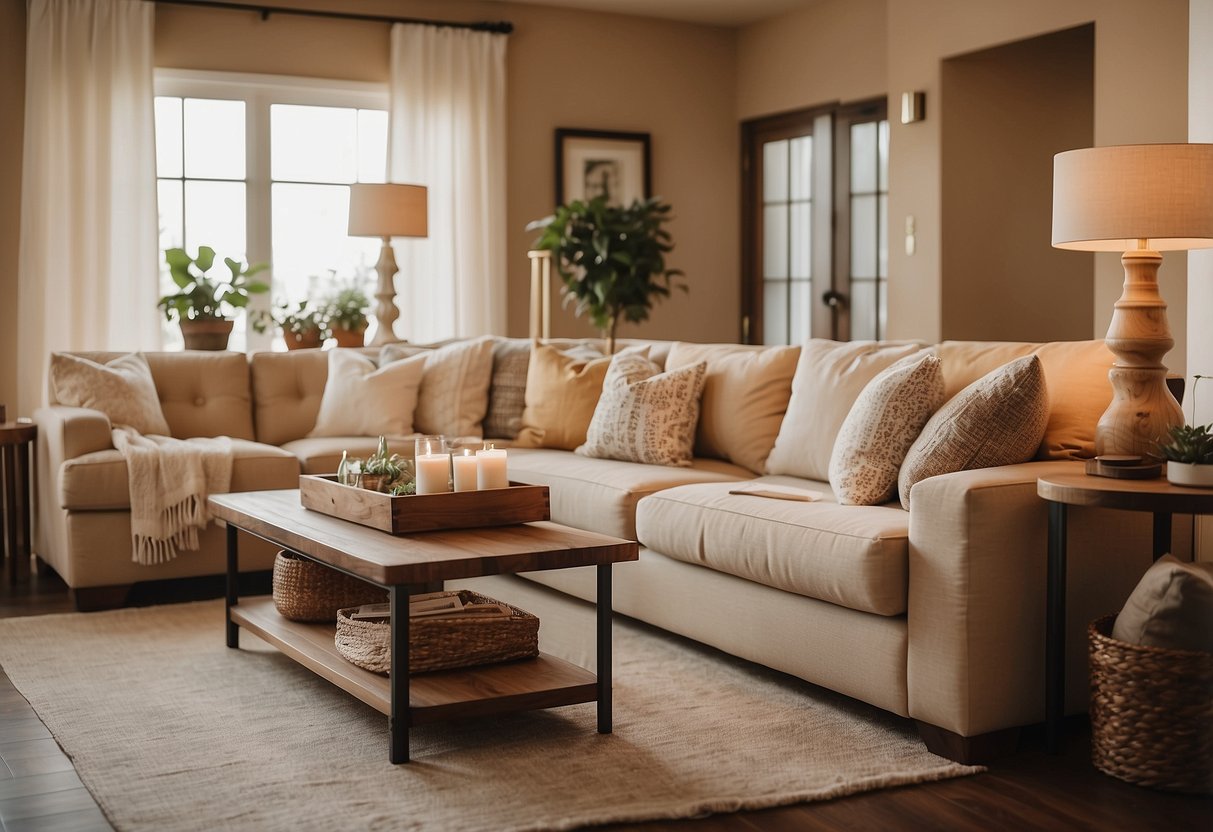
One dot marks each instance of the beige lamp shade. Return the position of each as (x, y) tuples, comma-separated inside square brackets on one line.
[(1108, 198), (388, 211)]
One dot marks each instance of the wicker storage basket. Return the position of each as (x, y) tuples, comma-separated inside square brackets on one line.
[(308, 591), (1151, 713), (441, 643)]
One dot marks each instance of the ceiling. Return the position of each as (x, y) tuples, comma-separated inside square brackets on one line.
[(714, 12)]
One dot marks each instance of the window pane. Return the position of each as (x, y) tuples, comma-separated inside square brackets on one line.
[(309, 228), (372, 145), (883, 318), (214, 216), (802, 167), (168, 136), (882, 254), (863, 310), (801, 232), (172, 213), (775, 312), (214, 138), (775, 241), (313, 144), (863, 157), (802, 311), (775, 171), (883, 163), (863, 236)]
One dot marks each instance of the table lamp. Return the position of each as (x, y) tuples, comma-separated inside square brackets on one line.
[(1140, 200), (387, 211)]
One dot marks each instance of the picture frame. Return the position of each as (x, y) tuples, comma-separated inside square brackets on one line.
[(592, 162)]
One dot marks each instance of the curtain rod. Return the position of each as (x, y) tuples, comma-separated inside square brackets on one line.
[(501, 27)]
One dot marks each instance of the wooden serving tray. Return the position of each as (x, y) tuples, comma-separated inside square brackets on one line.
[(425, 512)]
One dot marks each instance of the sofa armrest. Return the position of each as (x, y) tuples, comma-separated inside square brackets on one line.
[(70, 432), (976, 607)]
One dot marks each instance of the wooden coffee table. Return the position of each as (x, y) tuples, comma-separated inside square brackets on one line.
[(405, 565)]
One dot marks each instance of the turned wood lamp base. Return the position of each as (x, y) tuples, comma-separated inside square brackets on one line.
[(1142, 409), (386, 312)]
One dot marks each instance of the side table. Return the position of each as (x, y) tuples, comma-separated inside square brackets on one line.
[(1063, 490), (16, 440)]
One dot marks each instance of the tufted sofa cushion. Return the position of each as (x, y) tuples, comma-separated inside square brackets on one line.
[(287, 389)]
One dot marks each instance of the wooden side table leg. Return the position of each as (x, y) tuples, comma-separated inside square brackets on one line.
[(398, 720), (8, 462), (1055, 629), (1162, 533), (21, 466), (605, 719)]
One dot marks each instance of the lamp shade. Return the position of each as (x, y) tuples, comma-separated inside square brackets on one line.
[(1108, 198), (388, 211)]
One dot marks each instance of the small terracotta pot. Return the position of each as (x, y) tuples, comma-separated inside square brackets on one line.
[(302, 340), (206, 334), (350, 337), (376, 482)]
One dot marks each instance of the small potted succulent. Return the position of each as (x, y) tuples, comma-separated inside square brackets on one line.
[(303, 326), (203, 305), (1189, 454), (346, 310), (383, 471)]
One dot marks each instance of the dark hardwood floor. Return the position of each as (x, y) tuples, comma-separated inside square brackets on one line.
[(39, 789)]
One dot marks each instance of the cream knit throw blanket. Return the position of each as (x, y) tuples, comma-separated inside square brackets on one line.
[(169, 483)]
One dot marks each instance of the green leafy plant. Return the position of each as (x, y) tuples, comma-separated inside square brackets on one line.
[(298, 319), (1191, 444), (387, 469), (201, 297), (610, 258), (346, 309)]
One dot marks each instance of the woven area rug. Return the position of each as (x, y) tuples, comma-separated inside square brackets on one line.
[(170, 730)]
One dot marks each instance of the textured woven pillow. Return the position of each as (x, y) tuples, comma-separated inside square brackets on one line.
[(1172, 607), (360, 400), (122, 389), (562, 391), (454, 394), (880, 428), (997, 420), (507, 389), (645, 415)]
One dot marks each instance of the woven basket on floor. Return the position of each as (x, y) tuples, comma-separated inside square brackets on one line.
[(1151, 712), (441, 643), (308, 591)]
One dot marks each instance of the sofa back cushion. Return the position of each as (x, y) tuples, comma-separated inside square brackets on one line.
[(454, 393), (287, 390), (1076, 372), (829, 377), (745, 396)]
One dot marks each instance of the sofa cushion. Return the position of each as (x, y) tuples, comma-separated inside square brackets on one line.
[(507, 389), (99, 480), (600, 495), (287, 390), (121, 388), (829, 377), (363, 400), (745, 397), (455, 387), (1076, 370), (856, 556), (645, 415), (322, 454)]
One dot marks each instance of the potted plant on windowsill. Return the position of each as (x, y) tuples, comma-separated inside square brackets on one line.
[(203, 305), (347, 318), (610, 258), (303, 326)]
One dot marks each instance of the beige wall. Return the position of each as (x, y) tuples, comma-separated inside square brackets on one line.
[(12, 104), (565, 69), (1200, 263), (1009, 110)]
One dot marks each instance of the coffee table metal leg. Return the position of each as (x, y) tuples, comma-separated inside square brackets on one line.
[(233, 586), (398, 720), (1055, 629), (1162, 534), (604, 649)]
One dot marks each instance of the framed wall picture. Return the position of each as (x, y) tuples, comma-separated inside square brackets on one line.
[(592, 163)]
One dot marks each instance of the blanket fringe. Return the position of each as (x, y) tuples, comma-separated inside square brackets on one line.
[(183, 520)]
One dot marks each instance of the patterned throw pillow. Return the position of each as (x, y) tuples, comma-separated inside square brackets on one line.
[(997, 420), (360, 400), (454, 393), (122, 389), (507, 390), (645, 415), (880, 428)]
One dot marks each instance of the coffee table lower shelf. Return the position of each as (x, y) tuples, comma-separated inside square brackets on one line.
[(543, 682)]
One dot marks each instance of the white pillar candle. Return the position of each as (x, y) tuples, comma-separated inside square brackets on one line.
[(465, 470), (433, 473), (491, 465)]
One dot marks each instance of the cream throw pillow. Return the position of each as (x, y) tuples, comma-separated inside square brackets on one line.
[(454, 393), (645, 415), (360, 400), (997, 420), (880, 428), (1172, 607), (122, 389), (829, 377), (745, 397)]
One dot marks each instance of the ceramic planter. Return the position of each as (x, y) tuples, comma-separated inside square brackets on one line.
[(206, 334), (349, 337), (310, 339), (1190, 474)]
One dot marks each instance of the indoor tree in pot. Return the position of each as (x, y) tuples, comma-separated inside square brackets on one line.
[(203, 305), (610, 258)]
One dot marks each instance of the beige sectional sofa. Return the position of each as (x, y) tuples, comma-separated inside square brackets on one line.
[(936, 613)]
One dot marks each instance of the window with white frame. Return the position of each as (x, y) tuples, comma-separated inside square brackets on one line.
[(259, 169)]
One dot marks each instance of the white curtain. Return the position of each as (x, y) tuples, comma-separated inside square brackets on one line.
[(447, 132), (88, 262)]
